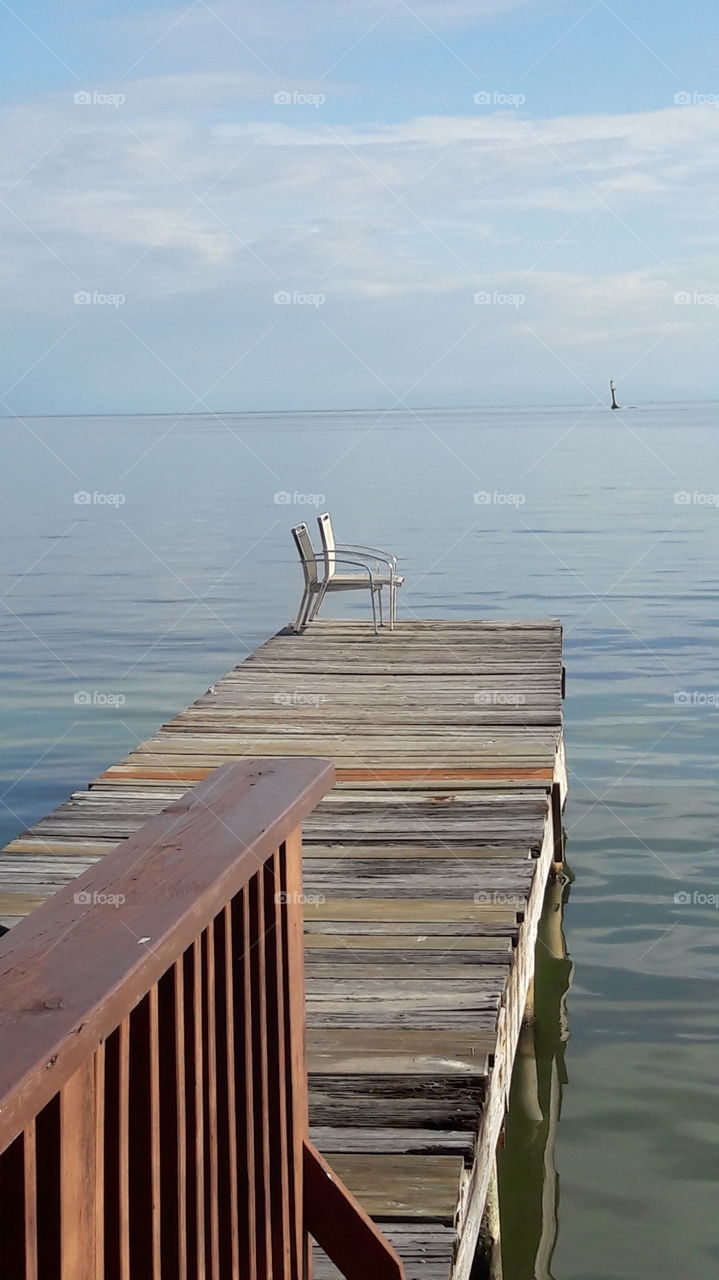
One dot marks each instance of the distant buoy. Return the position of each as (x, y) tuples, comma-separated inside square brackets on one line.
[(615, 402)]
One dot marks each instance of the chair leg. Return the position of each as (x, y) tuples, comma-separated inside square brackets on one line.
[(392, 605), (374, 610), (300, 612), (316, 607), (381, 614), (308, 608)]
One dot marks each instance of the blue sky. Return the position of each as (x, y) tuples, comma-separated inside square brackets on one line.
[(244, 206)]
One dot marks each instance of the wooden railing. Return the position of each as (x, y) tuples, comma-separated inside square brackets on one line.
[(153, 1089)]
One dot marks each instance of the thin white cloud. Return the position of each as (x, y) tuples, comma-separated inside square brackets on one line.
[(398, 225)]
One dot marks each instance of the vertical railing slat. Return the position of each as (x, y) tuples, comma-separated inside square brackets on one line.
[(292, 923), (233, 1187), (197, 1002), (154, 1128), (78, 1175), (123, 1152), (180, 1087), (245, 1071), (99, 1067), (275, 910), (255, 954), (30, 1200), (213, 1223)]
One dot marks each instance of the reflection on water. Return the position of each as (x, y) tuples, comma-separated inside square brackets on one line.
[(528, 1178)]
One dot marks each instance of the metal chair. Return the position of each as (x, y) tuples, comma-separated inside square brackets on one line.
[(317, 584), (383, 565)]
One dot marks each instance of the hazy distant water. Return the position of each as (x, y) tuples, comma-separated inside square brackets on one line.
[(153, 597)]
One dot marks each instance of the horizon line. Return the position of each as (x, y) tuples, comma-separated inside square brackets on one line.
[(219, 413)]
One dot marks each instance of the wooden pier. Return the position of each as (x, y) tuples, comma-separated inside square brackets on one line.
[(424, 876)]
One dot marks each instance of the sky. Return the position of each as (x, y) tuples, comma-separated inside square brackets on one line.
[(357, 204)]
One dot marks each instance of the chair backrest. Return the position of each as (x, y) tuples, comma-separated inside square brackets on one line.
[(328, 542), (303, 542)]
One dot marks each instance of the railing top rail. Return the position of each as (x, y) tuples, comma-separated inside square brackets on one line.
[(73, 969)]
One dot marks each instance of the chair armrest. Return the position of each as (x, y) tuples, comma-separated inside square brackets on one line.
[(383, 556), (355, 561)]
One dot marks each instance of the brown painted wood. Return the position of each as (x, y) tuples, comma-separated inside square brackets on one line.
[(278, 1069), (249, 1163), (30, 1203), (342, 1228), (207, 859), (78, 1178), (212, 1189), (123, 1112), (290, 861), (99, 1144), (230, 1251), (180, 1217)]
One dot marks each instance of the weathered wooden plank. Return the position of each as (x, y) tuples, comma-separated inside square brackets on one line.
[(423, 872), (393, 1187)]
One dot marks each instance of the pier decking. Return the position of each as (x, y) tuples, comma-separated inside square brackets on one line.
[(424, 875)]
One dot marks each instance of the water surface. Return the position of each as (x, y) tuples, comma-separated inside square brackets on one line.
[(181, 563)]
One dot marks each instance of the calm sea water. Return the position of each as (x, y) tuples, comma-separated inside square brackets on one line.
[(181, 562)]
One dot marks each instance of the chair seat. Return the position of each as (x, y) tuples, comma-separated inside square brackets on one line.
[(338, 581)]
